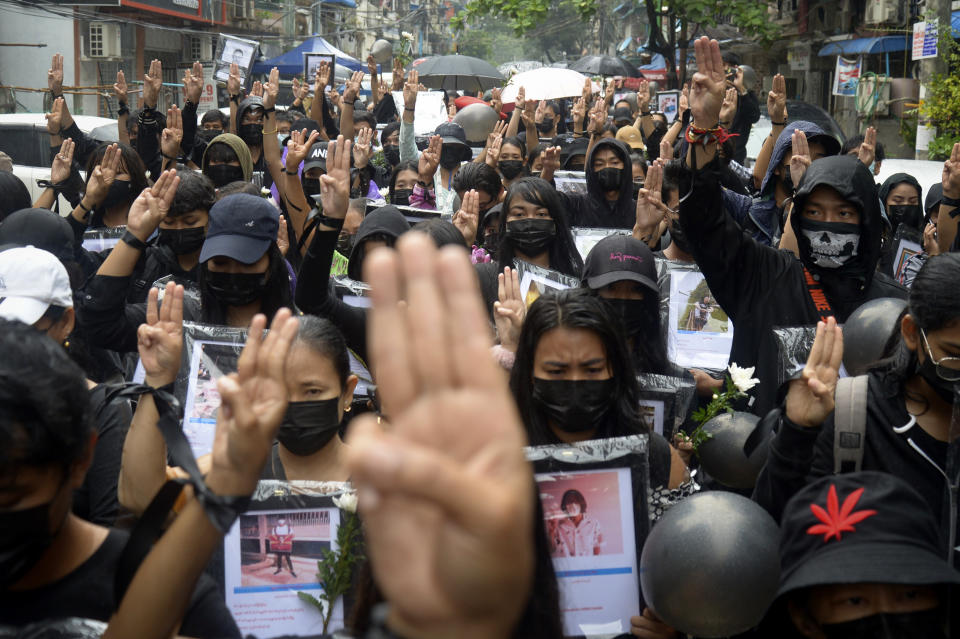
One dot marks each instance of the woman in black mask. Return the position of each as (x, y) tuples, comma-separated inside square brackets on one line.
[(227, 159), (513, 160), (115, 177), (902, 202), (402, 182), (321, 389)]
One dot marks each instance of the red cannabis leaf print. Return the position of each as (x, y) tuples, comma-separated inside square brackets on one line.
[(836, 520)]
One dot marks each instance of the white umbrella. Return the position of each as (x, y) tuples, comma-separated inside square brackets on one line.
[(544, 84)]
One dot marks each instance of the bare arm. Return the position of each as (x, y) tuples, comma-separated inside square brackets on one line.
[(350, 94), (233, 90), (777, 109), (272, 153)]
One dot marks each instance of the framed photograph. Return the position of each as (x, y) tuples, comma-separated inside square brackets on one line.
[(699, 332), (596, 517), (668, 103), (102, 239), (908, 242), (571, 181), (586, 238), (235, 50), (664, 401), (411, 213), (536, 280), (209, 361), (311, 62)]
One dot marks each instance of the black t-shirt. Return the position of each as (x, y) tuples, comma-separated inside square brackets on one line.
[(87, 592), (96, 500)]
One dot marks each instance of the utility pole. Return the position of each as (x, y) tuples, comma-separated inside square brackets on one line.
[(929, 67)]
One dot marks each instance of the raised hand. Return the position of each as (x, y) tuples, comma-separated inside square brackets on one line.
[(650, 209), (538, 115), (55, 75), (193, 83), (643, 95), (868, 148), (120, 88), (510, 311), (951, 174), (666, 151), (252, 404), (777, 100), (257, 89), (152, 205), (152, 82), (579, 112), (353, 87), (160, 338), (335, 184), (334, 97), (810, 398), (930, 240), (283, 236), (321, 79), (598, 118), (172, 135), (103, 175), (397, 79), (62, 162), (493, 151), (298, 147), (410, 90), (728, 109), (684, 102), (430, 160), (610, 90), (300, 90), (521, 101), (587, 92), (233, 80), (55, 117), (362, 148), (271, 89), (708, 84), (495, 100), (551, 159), (454, 430), (800, 160), (467, 219)]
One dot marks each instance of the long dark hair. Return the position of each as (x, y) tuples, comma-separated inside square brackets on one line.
[(133, 164), (323, 338), (564, 256), (649, 346), (409, 165), (576, 308), (277, 293)]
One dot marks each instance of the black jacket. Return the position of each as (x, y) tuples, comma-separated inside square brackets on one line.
[(760, 287), (748, 112), (592, 209), (156, 262)]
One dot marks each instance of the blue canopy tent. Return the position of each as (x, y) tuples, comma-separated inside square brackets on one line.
[(291, 62)]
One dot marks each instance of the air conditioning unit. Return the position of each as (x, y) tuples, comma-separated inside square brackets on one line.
[(197, 48), (104, 40), (881, 12)]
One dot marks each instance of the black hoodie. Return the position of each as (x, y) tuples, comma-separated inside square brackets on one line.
[(593, 209), (315, 295), (760, 287)]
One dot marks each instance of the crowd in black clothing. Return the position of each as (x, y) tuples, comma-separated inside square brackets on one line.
[(431, 314)]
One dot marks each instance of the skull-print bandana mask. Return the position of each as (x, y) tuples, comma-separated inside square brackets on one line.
[(832, 244)]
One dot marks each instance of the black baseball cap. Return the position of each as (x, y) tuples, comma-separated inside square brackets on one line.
[(620, 257), (933, 199), (317, 156), (621, 114), (242, 226), (452, 134), (41, 228)]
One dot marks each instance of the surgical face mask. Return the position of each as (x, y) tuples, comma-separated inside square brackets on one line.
[(926, 624), (208, 134), (183, 241), (391, 152), (634, 314), (252, 134), (309, 426), (401, 197), (24, 536), (311, 187), (573, 406), (609, 178), (910, 215), (119, 193), (449, 158), (545, 127), (832, 244), (223, 174), (532, 236), (510, 169), (236, 289)]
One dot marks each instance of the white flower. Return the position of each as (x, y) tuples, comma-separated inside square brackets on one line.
[(743, 377), (406, 35), (347, 502)]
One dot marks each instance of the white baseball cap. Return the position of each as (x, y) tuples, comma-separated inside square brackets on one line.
[(31, 281)]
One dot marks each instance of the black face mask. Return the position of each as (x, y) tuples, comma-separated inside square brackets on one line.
[(573, 406), (207, 135), (633, 314), (449, 159), (345, 243), (636, 189), (119, 193), (311, 187), (391, 152), (786, 180), (223, 174), (24, 537), (309, 426), (928, 371), (252, 134), (909, 214), (609, 179), (532, 236), (545, 127), (236, 289), (510, 169), (926, 624), (183, 241), (401, 197)]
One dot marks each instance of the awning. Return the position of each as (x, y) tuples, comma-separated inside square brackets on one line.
[(866, 46), (345, 3)]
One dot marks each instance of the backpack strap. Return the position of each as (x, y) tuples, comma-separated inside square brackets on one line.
[(850, 424)]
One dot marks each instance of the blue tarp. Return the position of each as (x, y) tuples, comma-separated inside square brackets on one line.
[(955, 23), (866, 46), (291, 62)]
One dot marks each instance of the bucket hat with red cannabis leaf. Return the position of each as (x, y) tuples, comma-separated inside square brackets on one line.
[(865, 527)]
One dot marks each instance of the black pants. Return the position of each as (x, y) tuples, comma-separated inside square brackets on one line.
[(280, 557)]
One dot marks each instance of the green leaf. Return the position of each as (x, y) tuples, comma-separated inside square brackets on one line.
[(310, 599)]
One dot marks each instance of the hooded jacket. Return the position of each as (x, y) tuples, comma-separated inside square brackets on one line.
[(762, 216), (593, 209), (889, 250), (314, 293), (239, 147), (760, 287)]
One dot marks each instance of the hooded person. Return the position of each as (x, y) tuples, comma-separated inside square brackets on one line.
[(763, 216), (901, 197), (608, 202), (227, 159), (248, 130), (13, 194), (837, 221)]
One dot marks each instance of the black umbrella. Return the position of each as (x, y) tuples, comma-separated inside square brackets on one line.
[(458, 73), (604, 65)]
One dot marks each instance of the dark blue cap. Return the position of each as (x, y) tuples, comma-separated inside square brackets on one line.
[(242, 226)]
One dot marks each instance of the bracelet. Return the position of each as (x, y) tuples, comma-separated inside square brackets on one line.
[(274, 132), (784, 123), (133, 241), (270, 110), (949, 201), (86, 209), (332, 222), (235, 98), (408, 109), (168, 157), (291, 173)]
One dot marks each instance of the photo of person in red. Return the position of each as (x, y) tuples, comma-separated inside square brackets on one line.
[(281, 544)]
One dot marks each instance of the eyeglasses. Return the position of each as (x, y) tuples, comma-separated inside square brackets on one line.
[(947, 368)]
